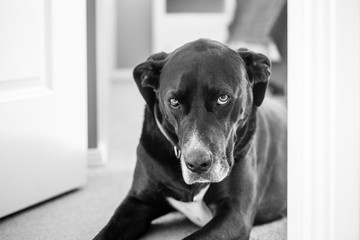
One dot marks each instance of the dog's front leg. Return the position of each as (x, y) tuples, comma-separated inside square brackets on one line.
[(130, 220), (235, 208), (228, 223)]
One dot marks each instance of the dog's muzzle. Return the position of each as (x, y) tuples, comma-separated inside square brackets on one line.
[(199, 164)]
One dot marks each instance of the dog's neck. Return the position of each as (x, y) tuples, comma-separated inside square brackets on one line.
[(167, 134), (154, 142)]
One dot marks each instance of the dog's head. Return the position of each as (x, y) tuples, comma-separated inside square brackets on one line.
[(205, 91)]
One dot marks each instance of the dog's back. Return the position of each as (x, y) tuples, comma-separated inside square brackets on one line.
[(271, 140)]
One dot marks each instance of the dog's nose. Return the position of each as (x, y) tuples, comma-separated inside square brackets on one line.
[(198, 161)]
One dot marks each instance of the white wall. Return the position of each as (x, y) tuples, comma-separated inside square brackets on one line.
[(133, 32)]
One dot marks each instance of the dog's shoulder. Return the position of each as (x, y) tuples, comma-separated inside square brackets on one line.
[(273, 111), (271, 126)]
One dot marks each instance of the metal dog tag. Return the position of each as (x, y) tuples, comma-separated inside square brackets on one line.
[(177, 152)]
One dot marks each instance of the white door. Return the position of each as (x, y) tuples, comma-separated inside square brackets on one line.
[(43, 126)]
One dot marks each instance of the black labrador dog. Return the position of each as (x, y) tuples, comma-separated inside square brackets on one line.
[(207, 148)]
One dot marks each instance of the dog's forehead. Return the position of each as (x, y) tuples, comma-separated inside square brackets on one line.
[(203, 61), (206, 54)]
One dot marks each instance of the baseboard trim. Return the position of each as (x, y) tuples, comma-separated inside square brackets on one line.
[(96, 157)]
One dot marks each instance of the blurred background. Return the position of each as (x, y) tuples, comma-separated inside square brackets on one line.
[(71, 115), (145, 27)]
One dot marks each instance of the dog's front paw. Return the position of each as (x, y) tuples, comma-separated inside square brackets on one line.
[(107, 236)]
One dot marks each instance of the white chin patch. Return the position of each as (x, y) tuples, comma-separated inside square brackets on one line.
[(215, 174)]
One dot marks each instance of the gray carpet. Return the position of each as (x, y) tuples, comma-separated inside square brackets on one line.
[(81, 214)]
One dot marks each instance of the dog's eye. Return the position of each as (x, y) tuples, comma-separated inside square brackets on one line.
[(174, 103), (223, 99)]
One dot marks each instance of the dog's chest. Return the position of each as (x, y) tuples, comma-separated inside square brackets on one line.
[(196, 211)]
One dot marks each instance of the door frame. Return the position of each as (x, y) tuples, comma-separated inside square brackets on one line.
[(105, 64), (324, 119)]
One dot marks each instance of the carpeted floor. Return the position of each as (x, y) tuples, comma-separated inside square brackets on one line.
[(80, 214)]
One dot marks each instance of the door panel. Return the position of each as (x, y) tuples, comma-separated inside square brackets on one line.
[(24, 43), (43, 131)]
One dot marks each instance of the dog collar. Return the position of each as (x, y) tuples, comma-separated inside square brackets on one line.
[(177, 151)]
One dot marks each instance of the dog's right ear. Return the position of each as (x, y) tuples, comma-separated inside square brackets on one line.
[(147, 75)]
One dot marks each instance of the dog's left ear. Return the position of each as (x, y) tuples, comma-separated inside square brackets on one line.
[(258, 69), (147, 75)]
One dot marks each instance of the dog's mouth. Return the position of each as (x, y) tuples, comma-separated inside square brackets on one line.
[(217, 172)]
